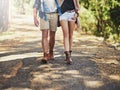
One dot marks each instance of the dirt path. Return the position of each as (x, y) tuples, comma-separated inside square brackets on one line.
[(95, 66)]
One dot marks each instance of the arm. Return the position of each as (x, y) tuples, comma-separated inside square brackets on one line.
[(36, 22), (36, 7), (77, 6)]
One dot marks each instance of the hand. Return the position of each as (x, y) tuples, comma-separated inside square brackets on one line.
[(75, 17), (79, 28), (77, 12), (36, 22)]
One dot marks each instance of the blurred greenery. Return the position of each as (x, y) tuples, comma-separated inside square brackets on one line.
[(101, 18)]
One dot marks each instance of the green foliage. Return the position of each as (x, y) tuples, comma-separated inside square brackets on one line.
[(87, 20), (106, 14)]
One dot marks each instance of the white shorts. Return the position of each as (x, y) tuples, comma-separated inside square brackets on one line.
[(68, 16)]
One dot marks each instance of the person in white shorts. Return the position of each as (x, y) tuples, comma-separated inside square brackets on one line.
[(69, 9)]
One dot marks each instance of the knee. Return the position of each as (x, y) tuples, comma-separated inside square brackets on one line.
[(66, 35)]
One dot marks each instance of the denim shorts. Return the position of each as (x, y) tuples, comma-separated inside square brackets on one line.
[(51, 23), (68, 16)]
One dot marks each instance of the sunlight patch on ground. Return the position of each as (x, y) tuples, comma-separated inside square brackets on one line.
[(13, 70), (111, 61), (30, 39), (115, 77), (78, 76), (58, 55), (20, 56), (93, 84), (71, 72), (86, 46), (108, 61), (7, 37), (18, 88), (41, 80), (21, 34), (4, 49)]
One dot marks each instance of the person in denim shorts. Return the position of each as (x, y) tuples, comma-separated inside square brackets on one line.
[(48, 24), (70, 10)]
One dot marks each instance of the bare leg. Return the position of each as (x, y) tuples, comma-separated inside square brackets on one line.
[(65, 29), (51, 44), (45, 44), (71, 29)]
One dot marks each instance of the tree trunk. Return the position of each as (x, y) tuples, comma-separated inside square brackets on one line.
[(4, 14)]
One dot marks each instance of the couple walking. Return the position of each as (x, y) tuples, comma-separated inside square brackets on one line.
[(48, 11)]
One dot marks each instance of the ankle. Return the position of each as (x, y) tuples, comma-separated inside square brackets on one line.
[(50, 51), (70, 51), (68, 57), (51, 55), (45, 54), (67, 53)]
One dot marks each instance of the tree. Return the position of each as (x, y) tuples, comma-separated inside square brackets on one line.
[(115, 17), (4, 14)]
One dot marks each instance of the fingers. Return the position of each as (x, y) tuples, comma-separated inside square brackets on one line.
[(36, 22), (74, 18), (76, 15)]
